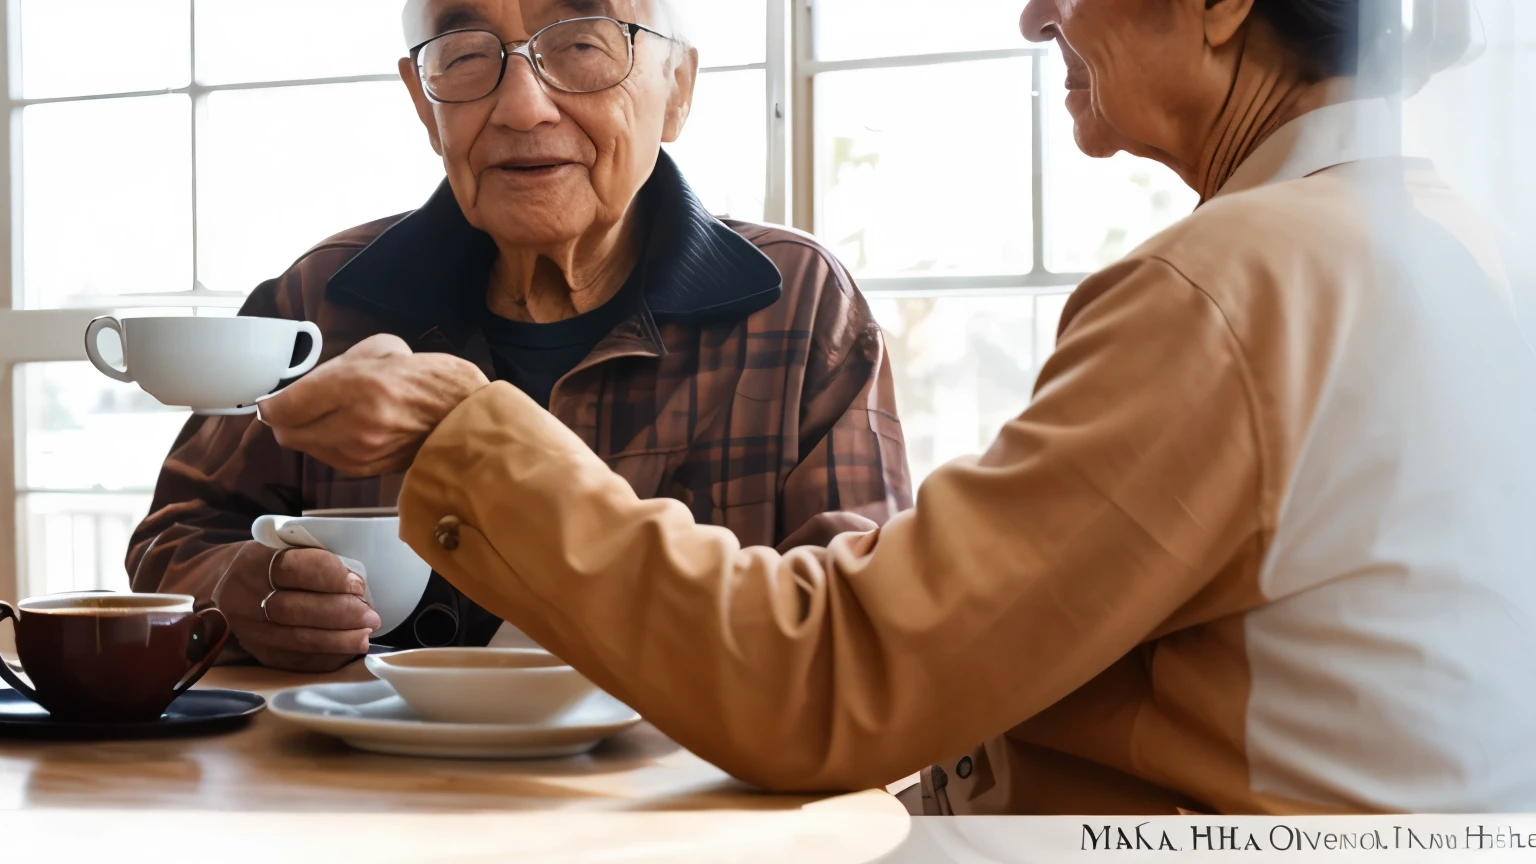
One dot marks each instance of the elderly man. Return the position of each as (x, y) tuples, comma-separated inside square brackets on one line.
[(731, 366)]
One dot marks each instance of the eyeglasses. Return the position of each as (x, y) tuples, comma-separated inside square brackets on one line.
[(578, 55)]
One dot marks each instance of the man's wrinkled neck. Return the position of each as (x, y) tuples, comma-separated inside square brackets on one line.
[(1268, 91), (553, 283)]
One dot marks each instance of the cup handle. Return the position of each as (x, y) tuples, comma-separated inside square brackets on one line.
[(220, 626), (264, 531), (315, 344), (9, 611), (93, 351)]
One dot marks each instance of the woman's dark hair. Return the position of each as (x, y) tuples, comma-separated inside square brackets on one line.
[(1367, 38), (1323, 34)]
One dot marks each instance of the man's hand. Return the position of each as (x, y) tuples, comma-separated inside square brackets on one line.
[(367, 412), (315, 621)]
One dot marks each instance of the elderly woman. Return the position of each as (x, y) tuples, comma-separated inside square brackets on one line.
[(731, 366), (1259, 544)]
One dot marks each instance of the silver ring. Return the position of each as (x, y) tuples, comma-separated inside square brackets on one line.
[(270, 565), (270, 584)]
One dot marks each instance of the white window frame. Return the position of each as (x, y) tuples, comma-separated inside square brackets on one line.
[(55, 335), (790, 67), (806, 67)]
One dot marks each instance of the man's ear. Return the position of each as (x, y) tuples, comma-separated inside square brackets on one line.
[(423, 104), (1224, 19), (684, 76)]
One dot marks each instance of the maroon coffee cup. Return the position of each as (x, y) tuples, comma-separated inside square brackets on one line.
[(111, 658)]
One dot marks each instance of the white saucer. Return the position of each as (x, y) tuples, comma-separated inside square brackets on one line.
[(371, 716)]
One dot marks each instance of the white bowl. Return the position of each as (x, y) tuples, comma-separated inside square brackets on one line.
[(520, 686)]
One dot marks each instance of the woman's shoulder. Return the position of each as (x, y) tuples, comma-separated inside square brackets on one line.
[(1263, 236)]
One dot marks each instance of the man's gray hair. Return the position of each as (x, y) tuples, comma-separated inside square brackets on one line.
[(668, 20)]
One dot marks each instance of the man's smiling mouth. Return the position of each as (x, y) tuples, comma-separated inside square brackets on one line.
[(532, 168)]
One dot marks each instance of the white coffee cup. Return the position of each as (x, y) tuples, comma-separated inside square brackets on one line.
[(215, 366), (369, 546)]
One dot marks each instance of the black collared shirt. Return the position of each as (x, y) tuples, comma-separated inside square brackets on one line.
[(532, 357)]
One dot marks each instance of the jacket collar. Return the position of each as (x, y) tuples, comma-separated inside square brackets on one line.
[(1350, 131), (428, 271)]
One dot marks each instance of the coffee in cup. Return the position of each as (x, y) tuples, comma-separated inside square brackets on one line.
[(111, 658), (211, 365)]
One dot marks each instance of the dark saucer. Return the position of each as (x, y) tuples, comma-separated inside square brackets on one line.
[(195, 712)]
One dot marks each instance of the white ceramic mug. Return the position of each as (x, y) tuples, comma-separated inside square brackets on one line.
[(211, 365), (370, 546)]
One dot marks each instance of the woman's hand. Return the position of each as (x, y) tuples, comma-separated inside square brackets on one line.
[(367, 412)]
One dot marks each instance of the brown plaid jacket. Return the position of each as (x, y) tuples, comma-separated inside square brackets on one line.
[(753, 386)]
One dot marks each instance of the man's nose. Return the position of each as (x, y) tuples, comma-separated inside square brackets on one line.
[(522, 103), (1038, 21)]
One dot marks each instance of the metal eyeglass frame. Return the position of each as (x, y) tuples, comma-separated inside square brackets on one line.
[(525, 50)]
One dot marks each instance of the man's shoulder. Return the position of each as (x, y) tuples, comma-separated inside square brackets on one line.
[(353, 240), (819, 296), (808, 268), (300, 290)]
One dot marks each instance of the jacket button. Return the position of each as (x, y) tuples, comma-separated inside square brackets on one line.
[(964, 768), (448, 532)]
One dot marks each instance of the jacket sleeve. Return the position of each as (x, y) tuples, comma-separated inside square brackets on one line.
[(852, 454), (1020, 574), (222, 473)]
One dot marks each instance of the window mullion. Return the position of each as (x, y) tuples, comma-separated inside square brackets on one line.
[(803, 120), (199, 107), (906, 61), (1037, 161), (777, 197), (10, 268)]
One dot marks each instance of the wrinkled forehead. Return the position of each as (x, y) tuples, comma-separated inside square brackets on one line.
[(512, 19)]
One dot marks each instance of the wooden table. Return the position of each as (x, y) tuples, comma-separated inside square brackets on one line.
[(275, 793)]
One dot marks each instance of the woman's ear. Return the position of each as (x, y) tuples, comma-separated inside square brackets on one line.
[(685, 74), (1224, 19)]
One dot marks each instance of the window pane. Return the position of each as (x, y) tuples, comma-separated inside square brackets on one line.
[(285, 40), (726, 32), (1097, 210), (107, 199), (724, 148), (87, 432), (904, 195), (283, 169), (82, 47), (850, 29), (964, 366), (77, 542)]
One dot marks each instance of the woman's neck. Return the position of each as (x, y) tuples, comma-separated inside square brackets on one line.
[(1267, 92), (546, 285)]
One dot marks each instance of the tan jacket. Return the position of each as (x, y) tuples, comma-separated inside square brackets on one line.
[(1259, 544)]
